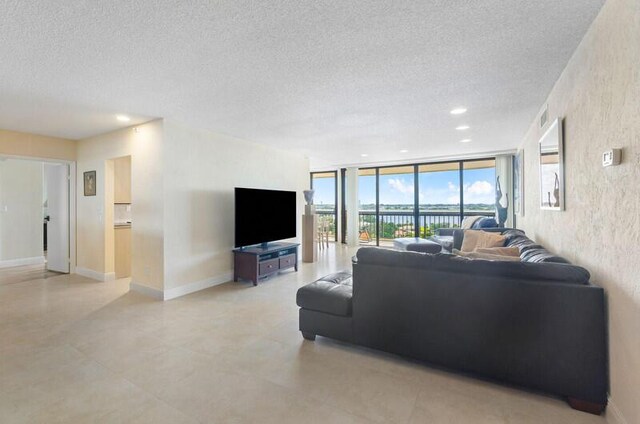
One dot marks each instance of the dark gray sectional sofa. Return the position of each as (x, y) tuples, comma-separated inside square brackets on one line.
[(538, 323)]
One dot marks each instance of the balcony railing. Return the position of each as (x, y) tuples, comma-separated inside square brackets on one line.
[(328, 219), (394, 224)]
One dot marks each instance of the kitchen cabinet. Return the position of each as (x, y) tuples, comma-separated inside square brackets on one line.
[(122, 247), (122, 180)]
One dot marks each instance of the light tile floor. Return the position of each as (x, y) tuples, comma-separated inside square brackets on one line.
[(73, 350)]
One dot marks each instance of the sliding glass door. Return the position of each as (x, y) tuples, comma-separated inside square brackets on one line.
[(411, 200), (416, 200)]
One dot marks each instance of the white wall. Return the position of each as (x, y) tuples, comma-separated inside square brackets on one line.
[(598, 95), (95, 222), (21, 212), (201, 172), (182, 202)]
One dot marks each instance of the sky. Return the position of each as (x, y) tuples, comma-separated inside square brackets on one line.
[(435, 188)]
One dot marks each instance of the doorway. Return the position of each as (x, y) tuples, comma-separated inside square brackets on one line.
[(118, 216), (36, 214)]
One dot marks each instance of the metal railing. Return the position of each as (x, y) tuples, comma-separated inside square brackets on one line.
[(328, 219), (394, 224)]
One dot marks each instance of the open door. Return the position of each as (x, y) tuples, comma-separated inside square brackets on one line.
[(57, 183)]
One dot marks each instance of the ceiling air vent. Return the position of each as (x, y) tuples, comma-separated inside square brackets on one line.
[(544, 117)]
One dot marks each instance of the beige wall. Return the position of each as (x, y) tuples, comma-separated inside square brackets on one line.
[(21, 186), (22, 144), (95, 213), (598, 95), (199, 205)]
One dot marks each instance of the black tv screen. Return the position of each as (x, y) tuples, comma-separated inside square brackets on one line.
[(264, 215)]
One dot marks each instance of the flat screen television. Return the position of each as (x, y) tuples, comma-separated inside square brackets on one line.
[(264, 215)]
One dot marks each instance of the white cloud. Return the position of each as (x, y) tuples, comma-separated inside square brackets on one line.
[(479, 192), (401, 186), (480, 187), (476, 192)]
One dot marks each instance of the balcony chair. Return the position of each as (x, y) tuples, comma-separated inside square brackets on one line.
[(323, 232)]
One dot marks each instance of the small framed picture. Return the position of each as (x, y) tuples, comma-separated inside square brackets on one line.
[(90, 183)]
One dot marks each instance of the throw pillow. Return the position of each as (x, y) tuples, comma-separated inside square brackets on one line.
[(474, 239), (486, 256), (503, 251), (484, 223), (468, 222)]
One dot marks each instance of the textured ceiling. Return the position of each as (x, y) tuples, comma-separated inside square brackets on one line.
[(332, 79)]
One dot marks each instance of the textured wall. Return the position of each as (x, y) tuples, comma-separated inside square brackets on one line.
[(598, 95)]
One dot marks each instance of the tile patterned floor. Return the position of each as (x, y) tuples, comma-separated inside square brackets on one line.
[(73, 350)]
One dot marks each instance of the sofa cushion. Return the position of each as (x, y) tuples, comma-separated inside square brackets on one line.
[(503, 251), (394, 258), (529, 250), (478, 254), (474, 239), (454, 264), (330, 294), (513, 270)]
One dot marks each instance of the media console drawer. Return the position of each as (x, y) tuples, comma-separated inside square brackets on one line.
[(287, 261), (268, 266), (256, 262)]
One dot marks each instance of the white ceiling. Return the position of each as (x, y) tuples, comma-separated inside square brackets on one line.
[(333, 79)]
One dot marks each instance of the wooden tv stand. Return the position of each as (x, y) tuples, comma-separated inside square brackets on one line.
[(254, 263)]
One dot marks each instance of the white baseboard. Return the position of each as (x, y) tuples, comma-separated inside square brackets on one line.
[(146, 290), (181, 290), (613, 414), (95, 275), (36, 260), (197, 286)]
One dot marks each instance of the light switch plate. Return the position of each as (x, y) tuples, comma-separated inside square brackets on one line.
[(611, 157)]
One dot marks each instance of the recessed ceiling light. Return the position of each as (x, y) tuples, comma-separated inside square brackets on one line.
[(466, 140), (123, 118), (462, 127), (458, 111), (404, 151), (364, 155)]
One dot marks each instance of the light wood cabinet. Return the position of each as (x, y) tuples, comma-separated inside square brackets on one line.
[(122, 180), (122, 247)]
